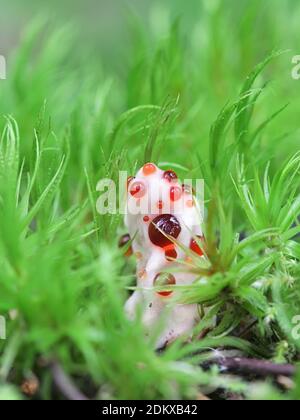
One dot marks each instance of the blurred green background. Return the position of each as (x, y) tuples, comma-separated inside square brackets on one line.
[(106, 24), (219, 42)]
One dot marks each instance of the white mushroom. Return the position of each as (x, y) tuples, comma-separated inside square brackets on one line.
[(158, 207)]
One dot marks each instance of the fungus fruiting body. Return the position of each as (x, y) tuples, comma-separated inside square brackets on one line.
[(167, 224)]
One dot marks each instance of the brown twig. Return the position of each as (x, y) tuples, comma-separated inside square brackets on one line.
[(65, 385), (255, 366)]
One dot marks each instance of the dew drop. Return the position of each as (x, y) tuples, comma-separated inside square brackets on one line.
[(170, 253), (175, 193), (164, 279), (190, 203), (195, 247), (149, 169), (170, 176), (164, 224), (160, 205), (138, 190)]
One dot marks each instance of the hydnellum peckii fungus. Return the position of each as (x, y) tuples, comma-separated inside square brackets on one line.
[(163, 219)]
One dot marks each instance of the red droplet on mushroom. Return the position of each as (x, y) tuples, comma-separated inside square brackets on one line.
[(146, 219), (129, 179), (175, 193), (149, 169), (160, 205), (170, 252), (190, 203), (164, 279), (194, 246), (124, 242), (162, 225), (138, 190), (170, 176)]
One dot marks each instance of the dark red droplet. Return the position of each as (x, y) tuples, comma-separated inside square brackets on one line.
[(138, 190), (195, 247), (146, 219), (170, 252), (175, 193), (170, 176), (164, 279), (164, 224), (124, 242)]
